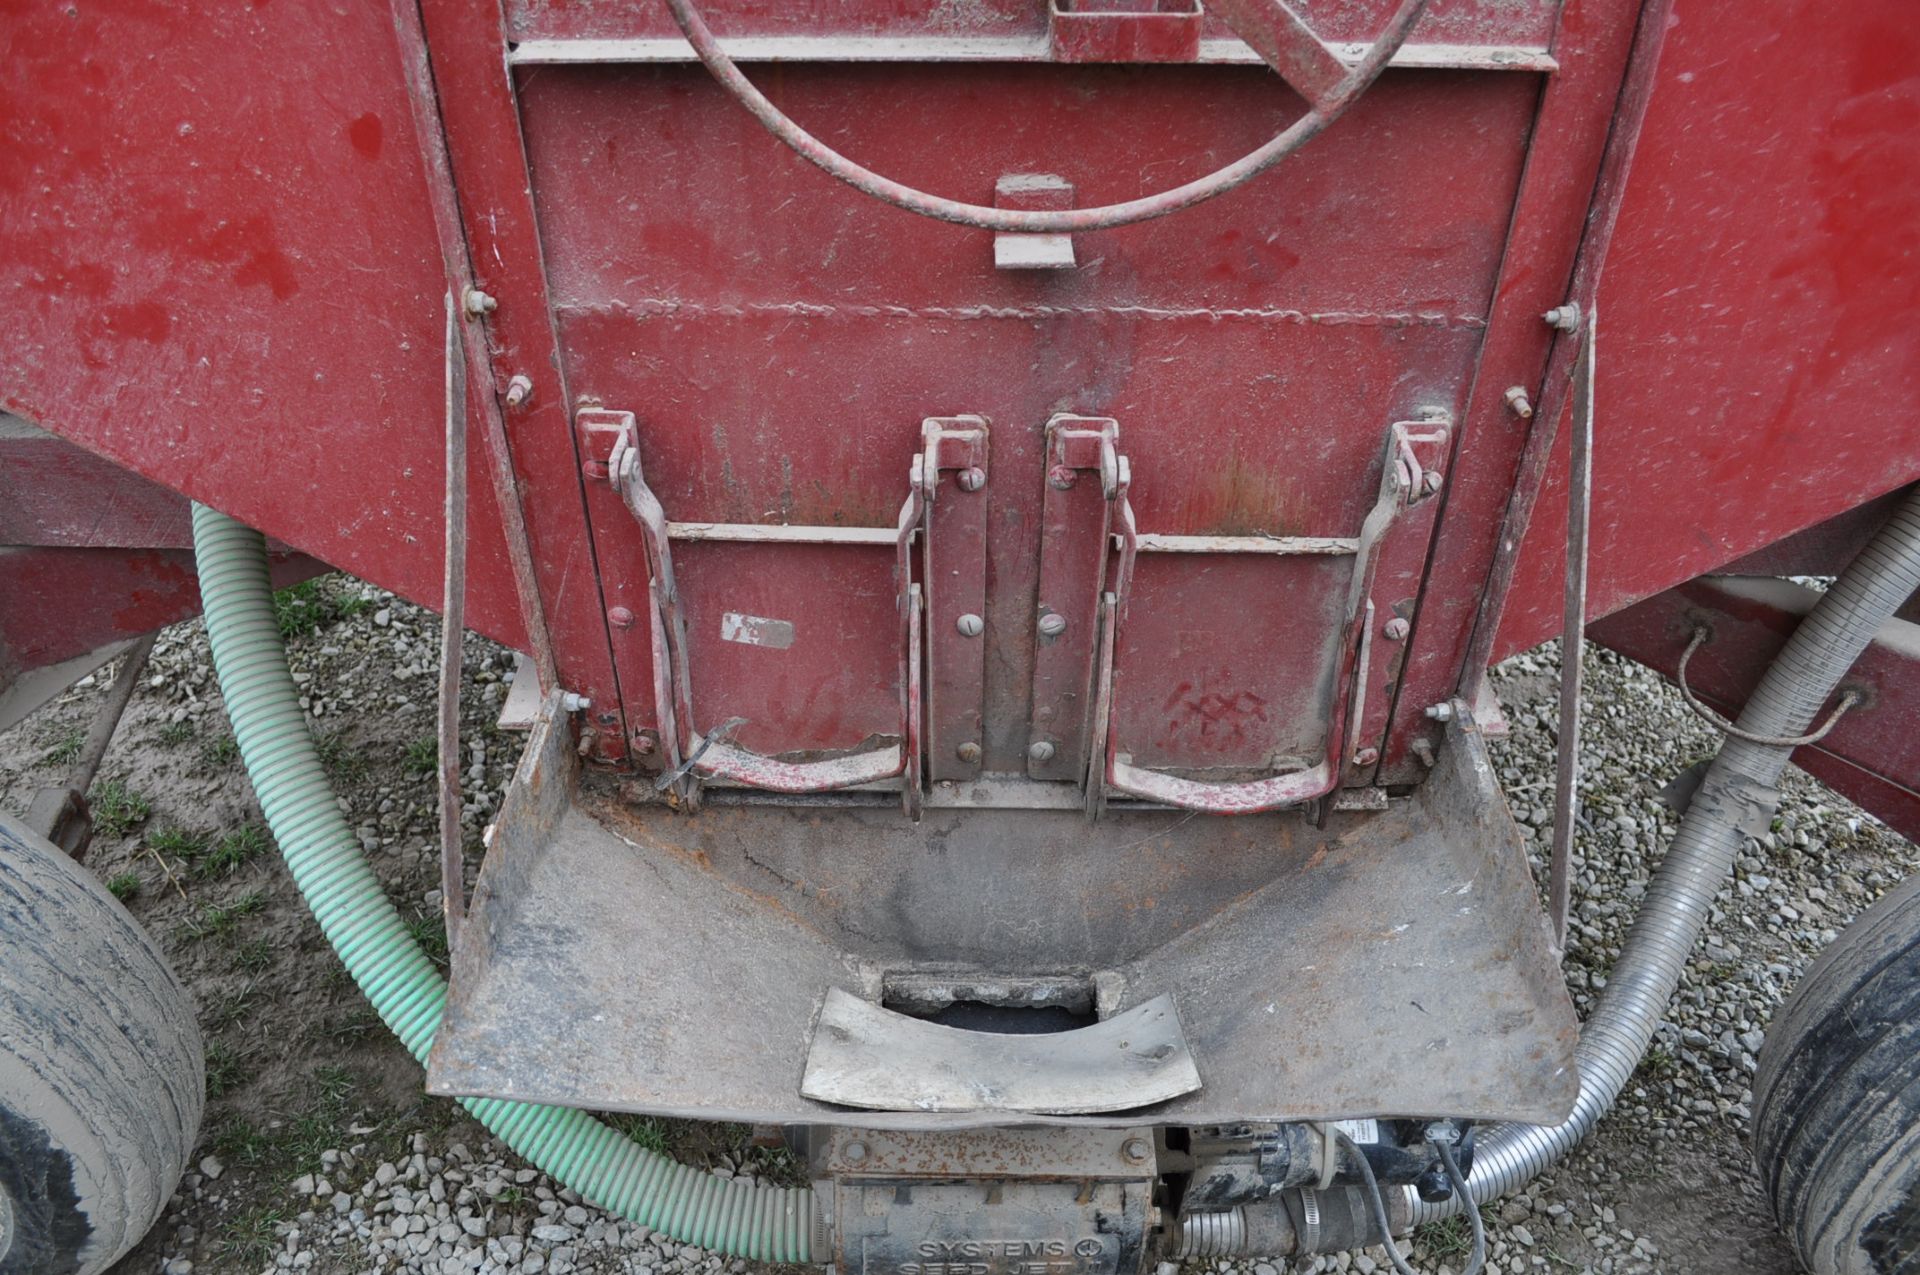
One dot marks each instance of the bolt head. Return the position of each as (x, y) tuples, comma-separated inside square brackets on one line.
[(1442, 712), (968, 752), (1040, 750), (1430, 482), (1518, 402), (854, 1152), (1366, 757), (1052, 624), (477, 303), (1136, 1150), (1060, 478), (1396, 628), (620, 618), (644, 743), (972, 478), (519, 390), (970, 625)]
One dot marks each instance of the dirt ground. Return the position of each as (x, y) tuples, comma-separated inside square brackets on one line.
[(298, 1065)]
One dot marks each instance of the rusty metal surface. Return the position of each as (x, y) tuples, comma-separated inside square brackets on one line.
[(1573, 635), (1066, 1155), (864, 1055), (1873, 755), (1317, 974)]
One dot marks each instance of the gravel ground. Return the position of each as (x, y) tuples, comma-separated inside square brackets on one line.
[(320, 1154)]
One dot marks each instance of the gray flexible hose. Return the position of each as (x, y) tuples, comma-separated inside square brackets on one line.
[(1735, 799)]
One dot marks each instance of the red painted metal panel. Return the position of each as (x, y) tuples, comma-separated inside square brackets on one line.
[(1484, 22), (62, 603), (1761, 361), (1569, 137), (224, 275), (783, 337), (1873, 755)]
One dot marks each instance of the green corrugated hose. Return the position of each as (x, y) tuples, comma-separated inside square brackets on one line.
[(691, 1207)]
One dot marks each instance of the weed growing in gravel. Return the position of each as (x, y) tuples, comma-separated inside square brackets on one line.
[(423, 755), (124, 886), (117, 808), (429, 930), (253, 1238), (178, 842), (312, 605), (220, 752), (174, 734), (344, 762), (225, 1068), (233, 850), (221, 921), (66, 748), (1657, 1064), (649, 1131), (1450, 1238)]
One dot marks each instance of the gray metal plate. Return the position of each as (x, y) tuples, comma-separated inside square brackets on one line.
[(866, 1056), (635, 959)]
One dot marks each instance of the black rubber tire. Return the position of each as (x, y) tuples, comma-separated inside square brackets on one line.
[(102, 1079), (1836, 1110)]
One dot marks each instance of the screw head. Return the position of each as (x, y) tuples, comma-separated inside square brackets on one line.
[(970, 625), (1366, 757), (1061, 478), (973, 478), (1430, 482), (1136, 1150), (968, 752), (519, 390), (620, 618), (1052, 624), (1040, 750), (854, 1152), (1396, 628)]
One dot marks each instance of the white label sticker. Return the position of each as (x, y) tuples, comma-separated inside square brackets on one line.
[(1359, 1130), (756, 630)]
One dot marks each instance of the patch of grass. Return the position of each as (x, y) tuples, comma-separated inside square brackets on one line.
[(1657, 1064), (124, 886), (342, 758), (117, 809), (221, 921), (221, 751), (251, 1239), (231, 1009), (429, 930), (511, 1196), (650, 1132), (253, 956), (66, 748), (423, 755), (181, 843), (312, 605), (174, 734), (1446, 1239), (233, 850), (226, 1068)]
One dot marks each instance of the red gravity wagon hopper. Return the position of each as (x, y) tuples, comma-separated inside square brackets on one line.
[(1006, 507)]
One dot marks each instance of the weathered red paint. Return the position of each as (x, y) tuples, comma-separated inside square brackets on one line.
[(230, 284), (1873, 755)]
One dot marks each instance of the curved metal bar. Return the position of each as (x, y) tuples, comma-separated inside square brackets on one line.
[(1045, 221)]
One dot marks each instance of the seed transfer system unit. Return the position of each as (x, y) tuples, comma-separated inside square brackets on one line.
[(1005, 629)]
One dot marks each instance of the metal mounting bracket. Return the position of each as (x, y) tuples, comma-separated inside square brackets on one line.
[(693, 755), (1409, 475)]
